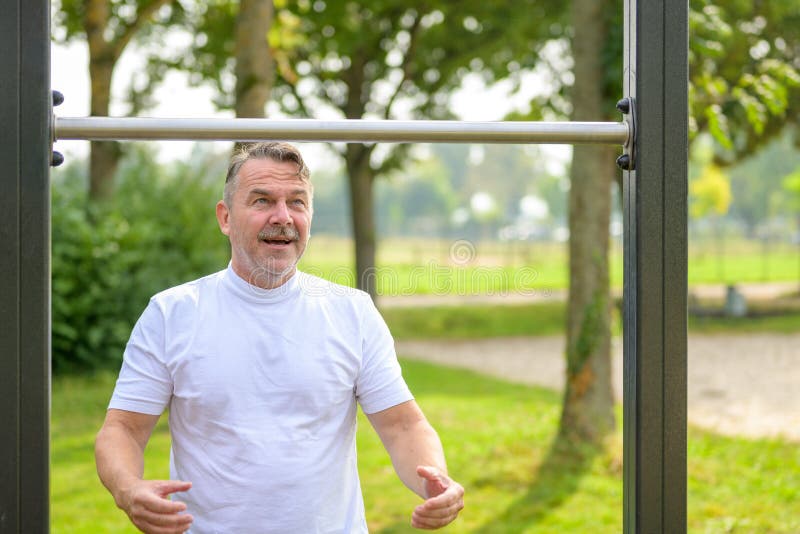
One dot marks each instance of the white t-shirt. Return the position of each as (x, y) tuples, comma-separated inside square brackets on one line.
[(262, 388)]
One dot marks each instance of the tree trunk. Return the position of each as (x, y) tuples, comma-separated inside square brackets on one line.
[(588, 414), (361, 178), (254, 66), (104, 155), (104, 52)]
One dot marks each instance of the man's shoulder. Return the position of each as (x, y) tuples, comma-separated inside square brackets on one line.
[(188, 291)]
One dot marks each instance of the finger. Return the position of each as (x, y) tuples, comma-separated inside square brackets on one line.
[(453, 497), (166, 487), (434, 481), (429, 473), (160, 523), (452, 494), (164, 520), (448, 513), (161, 505), (431, 514), (431, 523)]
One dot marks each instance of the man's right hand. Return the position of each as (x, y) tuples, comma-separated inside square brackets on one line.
[(147, 504)]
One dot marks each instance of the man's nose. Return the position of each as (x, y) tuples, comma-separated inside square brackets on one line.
[(280, 214)]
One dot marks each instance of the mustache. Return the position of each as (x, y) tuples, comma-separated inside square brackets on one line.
[(279, 232)]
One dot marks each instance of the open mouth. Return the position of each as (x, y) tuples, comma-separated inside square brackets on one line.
[(278, 237)]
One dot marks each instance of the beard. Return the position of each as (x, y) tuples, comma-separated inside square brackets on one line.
[(269, 271)]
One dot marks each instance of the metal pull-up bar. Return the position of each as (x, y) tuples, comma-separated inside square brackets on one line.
[(349, 131)]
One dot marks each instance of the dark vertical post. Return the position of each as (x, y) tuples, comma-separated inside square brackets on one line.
[(25, 105), (655, 197)]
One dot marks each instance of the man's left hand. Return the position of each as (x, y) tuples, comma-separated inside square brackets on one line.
[(444, 498)]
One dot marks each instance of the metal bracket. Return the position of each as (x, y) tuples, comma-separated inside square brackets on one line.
[(627, 161), (56, 158)]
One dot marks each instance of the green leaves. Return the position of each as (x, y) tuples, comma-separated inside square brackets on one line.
[(745, 84), (710, 194), (791, 184), (107, 262)]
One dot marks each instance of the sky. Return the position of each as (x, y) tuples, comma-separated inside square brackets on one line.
[(175, 98)]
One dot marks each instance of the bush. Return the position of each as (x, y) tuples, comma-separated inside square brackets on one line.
[(158, 231)]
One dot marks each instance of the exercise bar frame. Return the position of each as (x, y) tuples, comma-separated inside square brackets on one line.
[(655, 263), (347, 131)]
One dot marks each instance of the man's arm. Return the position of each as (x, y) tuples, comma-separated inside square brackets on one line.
[(119, 453), (418, 459)]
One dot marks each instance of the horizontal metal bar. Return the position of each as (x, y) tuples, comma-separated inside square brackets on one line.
[(348, 131)]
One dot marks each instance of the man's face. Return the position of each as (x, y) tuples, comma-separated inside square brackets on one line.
[(267, 222)]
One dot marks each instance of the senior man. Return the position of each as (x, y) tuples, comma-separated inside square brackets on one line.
[(261, 367)]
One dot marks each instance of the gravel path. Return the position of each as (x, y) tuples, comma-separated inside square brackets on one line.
[(745, 385)]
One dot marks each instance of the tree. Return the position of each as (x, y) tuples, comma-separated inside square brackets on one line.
[(385, 59), (230, 49), (710, 195), (744, 82), (756, 179), (109, 26), (791, 184), (743, 67), (587, 413), (254, 66)]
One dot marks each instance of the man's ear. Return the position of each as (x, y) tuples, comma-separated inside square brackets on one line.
[(223, 217)]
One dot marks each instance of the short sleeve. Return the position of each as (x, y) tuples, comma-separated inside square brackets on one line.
[(380, 382), (144, 384)]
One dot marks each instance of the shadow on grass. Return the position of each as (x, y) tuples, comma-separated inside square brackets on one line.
[(557, 479)]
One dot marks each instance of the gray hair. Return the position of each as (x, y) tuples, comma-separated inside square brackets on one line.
[(274, 150)]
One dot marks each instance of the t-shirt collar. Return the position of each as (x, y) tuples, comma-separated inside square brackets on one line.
[(253, 293)]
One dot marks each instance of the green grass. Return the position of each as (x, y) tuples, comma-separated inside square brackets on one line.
[(452, 267), (786, 323), (546, 318), (79, 503), (471, 321), (497, 436)]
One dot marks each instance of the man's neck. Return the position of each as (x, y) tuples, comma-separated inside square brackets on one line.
[(261, 277)]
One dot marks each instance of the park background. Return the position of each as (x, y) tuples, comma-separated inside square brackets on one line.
[(471, 242)]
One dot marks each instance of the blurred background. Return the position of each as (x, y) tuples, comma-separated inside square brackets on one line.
[(497, 267)]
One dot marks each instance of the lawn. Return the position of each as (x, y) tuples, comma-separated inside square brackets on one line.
[(457, 267), (498, 438), (548, 318)]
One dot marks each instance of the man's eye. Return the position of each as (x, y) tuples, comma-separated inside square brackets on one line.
[(260, 201), (299, 202)]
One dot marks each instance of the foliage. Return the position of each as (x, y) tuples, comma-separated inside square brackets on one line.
[(117, 23), (756, 186), (710, 194), (108, 260), (386, 59), (417, 200), (497, 437), (744, 73), (791, 184), (109, 27)]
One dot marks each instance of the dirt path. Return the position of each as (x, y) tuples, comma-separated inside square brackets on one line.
[(746, 385)]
